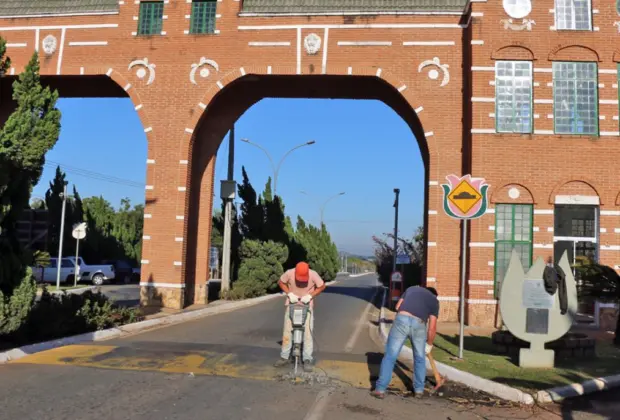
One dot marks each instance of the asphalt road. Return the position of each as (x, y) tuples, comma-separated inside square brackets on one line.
[(220, 367)]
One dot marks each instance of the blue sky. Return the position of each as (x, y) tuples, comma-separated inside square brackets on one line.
[(362, 148)]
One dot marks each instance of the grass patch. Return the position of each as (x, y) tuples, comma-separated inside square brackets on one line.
[(481, 359)]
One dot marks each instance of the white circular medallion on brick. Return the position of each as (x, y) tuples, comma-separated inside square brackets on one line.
[(517, 9), (514, 193), (312, 43), (49, 44)]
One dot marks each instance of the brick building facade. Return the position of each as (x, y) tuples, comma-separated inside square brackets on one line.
[(523, 95)]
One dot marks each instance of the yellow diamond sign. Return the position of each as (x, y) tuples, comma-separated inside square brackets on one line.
[(464, 196)]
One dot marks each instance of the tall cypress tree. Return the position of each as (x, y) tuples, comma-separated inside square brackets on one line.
[(252, 212), (29, 133), (53, 202)]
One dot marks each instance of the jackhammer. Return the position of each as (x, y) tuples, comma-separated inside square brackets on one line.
[(299, 315)]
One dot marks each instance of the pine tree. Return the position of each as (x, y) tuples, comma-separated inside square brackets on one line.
[(53, 201), (267, 194), (28, 134), (252, 213)]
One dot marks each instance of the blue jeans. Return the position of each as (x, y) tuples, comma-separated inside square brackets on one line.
[(404, 327)]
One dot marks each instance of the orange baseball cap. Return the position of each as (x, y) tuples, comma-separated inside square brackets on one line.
[(302, 272)]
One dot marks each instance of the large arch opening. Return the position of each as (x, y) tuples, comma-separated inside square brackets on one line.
[(102, 154), (229, 104)]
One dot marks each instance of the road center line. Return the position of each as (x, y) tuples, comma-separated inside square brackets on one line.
[(320, 405), (361, 323)]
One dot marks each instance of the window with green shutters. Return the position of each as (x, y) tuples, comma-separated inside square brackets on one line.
[(513, 230), (203, 17), (575, 98), (151, 18)]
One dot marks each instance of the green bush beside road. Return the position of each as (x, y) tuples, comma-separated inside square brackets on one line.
[(63, 315)]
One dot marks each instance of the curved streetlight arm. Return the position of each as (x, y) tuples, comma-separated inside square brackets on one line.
[(325, 204), (273, 166), (277, 168)]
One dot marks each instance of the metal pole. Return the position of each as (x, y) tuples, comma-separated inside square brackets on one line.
[(77, 265), (62, 234), (463, 279), (397, 192), (228, 216)]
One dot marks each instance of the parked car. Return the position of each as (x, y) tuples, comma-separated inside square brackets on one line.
[(48, 274), (123, 271), (96, 274)]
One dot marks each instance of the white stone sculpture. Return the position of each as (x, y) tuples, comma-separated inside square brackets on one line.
[(312, 43), (532, 314)]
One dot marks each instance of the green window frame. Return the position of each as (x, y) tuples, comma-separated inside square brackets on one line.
[(513, 230), (575, 98), (151, 19), (513, 97), (203, 17)]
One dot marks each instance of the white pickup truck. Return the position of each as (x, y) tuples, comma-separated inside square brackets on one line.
[(96, 274)]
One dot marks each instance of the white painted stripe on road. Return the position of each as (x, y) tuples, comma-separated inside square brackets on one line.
[(361, 323), (317, 410)]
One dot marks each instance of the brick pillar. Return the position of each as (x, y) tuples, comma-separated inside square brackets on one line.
[(162, 282)]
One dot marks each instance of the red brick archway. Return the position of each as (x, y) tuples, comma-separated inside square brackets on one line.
[(183, 87), (227, 104)]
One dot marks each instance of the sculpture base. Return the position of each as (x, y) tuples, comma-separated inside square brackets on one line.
[(529, 358)]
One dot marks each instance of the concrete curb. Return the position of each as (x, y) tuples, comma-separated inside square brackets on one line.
[(560, 393), (18, 353), (72, 291), (472, 381)]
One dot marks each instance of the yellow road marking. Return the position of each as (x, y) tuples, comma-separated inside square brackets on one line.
[(356, 374)]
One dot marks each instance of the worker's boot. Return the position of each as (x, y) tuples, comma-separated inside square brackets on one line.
[(281, 363)]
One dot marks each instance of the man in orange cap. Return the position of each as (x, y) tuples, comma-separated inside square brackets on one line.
[(299, 284)]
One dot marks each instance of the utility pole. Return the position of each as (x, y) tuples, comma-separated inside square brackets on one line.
[(396, 192), (62, 234), (228, 212)]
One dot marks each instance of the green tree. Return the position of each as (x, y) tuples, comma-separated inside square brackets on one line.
[(321, 252), (252, 219), (267, 194), (74, 213), (28, 134), (53, 202), (127, 229), (260, 270), (100, 242)]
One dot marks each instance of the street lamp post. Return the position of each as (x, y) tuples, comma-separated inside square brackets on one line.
[(324, 203), (276, 168)]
